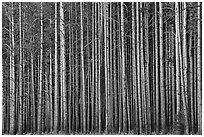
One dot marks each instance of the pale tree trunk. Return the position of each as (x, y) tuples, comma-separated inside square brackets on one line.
[(123, 70), (82, 69), (147, 74), (70, 70), (99, 68), (20, 127), (119, 72), (138, 69), (105, 5), (50, 88), (76, 76), (162, 91), (177, 44), (195, 80), (134, 67), (47, 103), (199, 71), (115, 75), (56, 108), (63, 69), (157, 70), (93, 66), (184, 69), (110, 71), (33, 113), (142, 70), (40, 73), (173, 74), (12, 76), (73, 70)]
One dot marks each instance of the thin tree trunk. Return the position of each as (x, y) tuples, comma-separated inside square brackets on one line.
[(70, 71), (110, 71), (190, 83), (76, 75), (40, 73), (157, 71), (12, 76), (184, 68), (106, 65), (93, 66), (147, 73), (199, 71), (177, 44), (33, 113), (115, 74), (82, 69), (173, 75), (56, 107), (63, 58), (20, 125), (119, 71), (138, 69), (50, 88), (47, 103), (134, 69), (99, 68), (162, 91), (123, 70)]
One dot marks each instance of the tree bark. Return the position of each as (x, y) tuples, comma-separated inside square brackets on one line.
[(162, 91), (177, 44), (20, 71), (123, 83), (199, 71), (12, 75), (82, 68), (56, 107)]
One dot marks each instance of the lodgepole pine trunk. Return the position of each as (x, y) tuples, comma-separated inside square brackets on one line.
[(82, 68), (12, 76), (138, 68), (20, 125), (177, 44), (123, 83), (162, 90), (40, 73), (56, 107), (199, 70)]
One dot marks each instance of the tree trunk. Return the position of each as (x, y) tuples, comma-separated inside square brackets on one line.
[(63, 69), (147, 72), (76, 75), (40, 73), (20, 130), (99, 107), (123, 83), (162, 91), (50, 88), (82, 69), (33, 113), (157, 70), (93, 65), (184, 68), (199, 71), (56, 107), (138, 69), (12, 76), (134, 67), (177, 44)]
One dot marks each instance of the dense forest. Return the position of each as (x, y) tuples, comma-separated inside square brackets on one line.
[(101, 68)]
